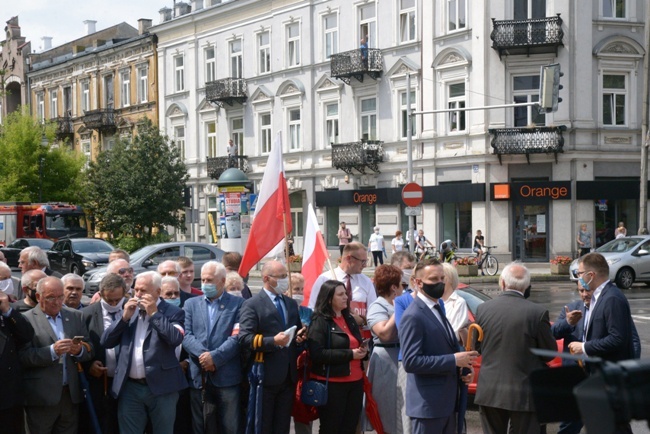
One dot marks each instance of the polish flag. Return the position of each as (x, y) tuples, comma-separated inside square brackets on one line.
[(268, 227), (314, 254)]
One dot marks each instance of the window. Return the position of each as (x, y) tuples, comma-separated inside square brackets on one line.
[(237, 134), (54, 103), (85, 96), (236, 60), (109, 99), (67, 101), (211, 136), (264, 49), (614, 100), (179, 134), (210, 65), (331, 123), (125, 94), (85, 148), (369, 119), (265, 132), (614, 8), (179, 74), (40, 106), (294, 129), (293, 44), (407, 20), (526, 89), (456, 14), (457, 222), (456, 101), (143, 84), (404, 117), (331, 35), (529, 9), (368, 24)]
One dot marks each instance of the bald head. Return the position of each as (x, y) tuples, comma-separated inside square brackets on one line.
[(122, 268)]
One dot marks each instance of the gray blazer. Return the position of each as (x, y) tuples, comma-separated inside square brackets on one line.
[(43, 377)]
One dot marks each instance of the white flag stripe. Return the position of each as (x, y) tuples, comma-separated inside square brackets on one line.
[(311, 229), (274, 166), (411, 194)]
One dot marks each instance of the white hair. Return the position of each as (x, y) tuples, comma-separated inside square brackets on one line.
[(170, 279), (36, 255), (177, 266), (154, 278), (71, 277), (216, 268)]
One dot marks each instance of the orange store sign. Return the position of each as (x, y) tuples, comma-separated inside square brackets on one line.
[(558, 190)]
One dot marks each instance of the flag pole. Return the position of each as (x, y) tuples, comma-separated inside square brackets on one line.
[(286, 250)]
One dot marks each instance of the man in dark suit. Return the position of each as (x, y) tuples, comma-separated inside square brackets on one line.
[(430, 355), (608, 328), (148, 375), (511, 326), (51, 382), (35, 258), (269, 313), (15, 331), (98, 318), (28, 283)]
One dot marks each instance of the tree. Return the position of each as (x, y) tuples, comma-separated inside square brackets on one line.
[(137, 186), (32, 169)]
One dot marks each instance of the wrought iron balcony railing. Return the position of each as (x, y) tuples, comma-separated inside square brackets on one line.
[(64, 127), (102, 120), (228, 90), (534, 36), (353, 64), (218, 165), (358, 155), (534, 140)]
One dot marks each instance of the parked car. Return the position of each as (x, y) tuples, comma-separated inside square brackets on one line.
[(148, 258), (628, 259), (12, 251), (78, 255)]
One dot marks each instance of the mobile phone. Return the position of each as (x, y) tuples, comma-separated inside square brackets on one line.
[(365, 342), (77, 339)]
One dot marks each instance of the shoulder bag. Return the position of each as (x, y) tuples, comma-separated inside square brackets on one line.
[(313, 391)]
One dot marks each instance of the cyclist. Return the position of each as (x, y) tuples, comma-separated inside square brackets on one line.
[(447, 249), (421, 244)]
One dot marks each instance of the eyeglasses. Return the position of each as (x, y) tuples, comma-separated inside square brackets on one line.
[(580, 273), (363, 261), (53, 299), (169, 273), (125, 271), (284, 276)]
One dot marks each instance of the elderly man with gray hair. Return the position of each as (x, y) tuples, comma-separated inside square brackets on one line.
[(28, 284), (35, 258), (73, 289)]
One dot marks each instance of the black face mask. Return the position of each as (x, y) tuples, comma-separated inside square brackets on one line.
[(32, 295), (527, 292), (433, 290)]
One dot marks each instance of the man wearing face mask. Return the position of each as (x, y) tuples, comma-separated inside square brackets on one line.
[(430, 349), (297, 293), (210, 340), (6, 282), (28, 282), (511, 326), (270, 313)]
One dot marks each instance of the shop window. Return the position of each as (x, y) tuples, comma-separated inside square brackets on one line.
[(457, 223), (332, 220)]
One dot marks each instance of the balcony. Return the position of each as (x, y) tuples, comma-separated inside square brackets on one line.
[(102, 120), (534, 36), (218, 165), (535, 140), (64, 127), (351, 64), (226, 90), (358, 155)]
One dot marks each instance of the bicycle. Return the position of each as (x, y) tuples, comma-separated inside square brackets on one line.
[(491, 263)]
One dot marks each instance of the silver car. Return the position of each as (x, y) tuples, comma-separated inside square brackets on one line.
[(628, 259)]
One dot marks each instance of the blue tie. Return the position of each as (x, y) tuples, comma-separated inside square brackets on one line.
[(278, 305)]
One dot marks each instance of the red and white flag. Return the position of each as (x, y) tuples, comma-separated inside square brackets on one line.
[(268, 227), (314, 254)]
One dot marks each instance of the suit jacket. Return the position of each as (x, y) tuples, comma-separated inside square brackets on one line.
[(162, 370), (561, 329), (43, 377), (94, 319), (335, 354), (218, 340), (609, 332), (428, 358), (50, 272), (258, 315), (15, 331), (511, 326)]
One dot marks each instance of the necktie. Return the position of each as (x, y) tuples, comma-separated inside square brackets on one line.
[(278, 305), (348, 288), (112, 314), (445, 322)]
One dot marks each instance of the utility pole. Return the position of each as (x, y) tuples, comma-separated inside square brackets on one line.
[(409, 157), (643, 199)]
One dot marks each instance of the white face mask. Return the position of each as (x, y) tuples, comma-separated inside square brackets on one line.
[(112, 309), (235, 293), (299, 298), (282, 286), (7, 286), (406, 276)]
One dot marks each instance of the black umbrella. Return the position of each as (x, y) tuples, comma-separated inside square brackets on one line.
[(256, 378), (89, 401)]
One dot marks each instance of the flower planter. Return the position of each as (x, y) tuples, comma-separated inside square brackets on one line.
[(560, 269), (467, 270), (295, 267)]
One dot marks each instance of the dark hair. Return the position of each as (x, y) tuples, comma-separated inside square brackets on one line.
[(595, 262), (398, 258), (323, 306), (231, 260), (425, 263), (385, 277), (111, 282)]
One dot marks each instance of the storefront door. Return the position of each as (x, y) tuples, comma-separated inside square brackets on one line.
[(531, 233), (368, 220)]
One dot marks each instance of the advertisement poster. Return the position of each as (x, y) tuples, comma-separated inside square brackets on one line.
[(233, 203)]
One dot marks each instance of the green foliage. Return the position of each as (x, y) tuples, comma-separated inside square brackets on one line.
[(131, 244), (137, 186), (31, 167)]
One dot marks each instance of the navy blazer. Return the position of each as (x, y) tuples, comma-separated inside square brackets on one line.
[(15, 331), (218, 339), (163, 372), (258, 315), (428, 358)]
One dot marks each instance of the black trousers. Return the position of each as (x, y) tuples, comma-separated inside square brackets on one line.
[(277, 404), (378, 256), (341, 413)]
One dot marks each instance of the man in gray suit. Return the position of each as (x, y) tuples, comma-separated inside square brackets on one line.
[(51, 382), (511, 326), (35, 258)]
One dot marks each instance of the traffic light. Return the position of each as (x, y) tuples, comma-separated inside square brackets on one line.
[(549, 88)]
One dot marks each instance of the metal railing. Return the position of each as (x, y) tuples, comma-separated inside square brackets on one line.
[(102, 120), (537, 35), (354, 64), (218, 165), (533, 140), (228, 90), (64, 127), (358, 155)]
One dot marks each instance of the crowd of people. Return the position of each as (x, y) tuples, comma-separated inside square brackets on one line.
[(153, 354)]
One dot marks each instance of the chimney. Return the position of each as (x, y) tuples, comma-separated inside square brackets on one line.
[(143, 26), (197, 5), (165, 14), (90, 26), (182, 8), (46, 42)]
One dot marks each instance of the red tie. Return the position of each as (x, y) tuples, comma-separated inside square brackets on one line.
[(348, 289)]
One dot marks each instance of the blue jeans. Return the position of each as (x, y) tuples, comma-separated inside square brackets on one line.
[(136, 402), (221, 409)]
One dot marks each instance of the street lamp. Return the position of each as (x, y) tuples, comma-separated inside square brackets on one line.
[(41, 160)]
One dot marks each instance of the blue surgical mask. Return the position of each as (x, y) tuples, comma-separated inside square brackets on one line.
[(584, 284), (209, 289), (174, 301)]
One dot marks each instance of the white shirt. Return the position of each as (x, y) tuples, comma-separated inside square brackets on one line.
[(363, 289), (137, 370), (398, 244), (431, 305), (376, 242), (456, 310), (111, 363)]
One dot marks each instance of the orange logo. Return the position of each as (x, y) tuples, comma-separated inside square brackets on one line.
[(502, 191)]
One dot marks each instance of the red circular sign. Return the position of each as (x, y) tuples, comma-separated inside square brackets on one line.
[(412, 194)]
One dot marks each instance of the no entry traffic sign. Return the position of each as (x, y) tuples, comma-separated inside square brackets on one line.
[(412, 194)]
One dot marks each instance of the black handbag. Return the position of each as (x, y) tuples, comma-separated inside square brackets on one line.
[(314, 392)]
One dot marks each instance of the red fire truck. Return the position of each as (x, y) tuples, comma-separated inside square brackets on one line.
[(40, 220)]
